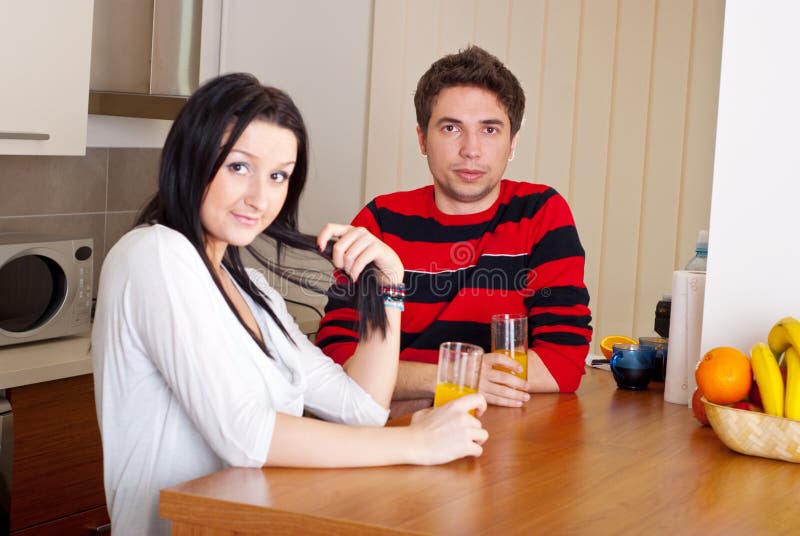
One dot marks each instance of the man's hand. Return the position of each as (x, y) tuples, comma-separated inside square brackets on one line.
[(499, 387)]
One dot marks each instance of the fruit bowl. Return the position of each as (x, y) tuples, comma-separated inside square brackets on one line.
[(754, 433)]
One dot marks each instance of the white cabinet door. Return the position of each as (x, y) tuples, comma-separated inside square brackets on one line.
[(45, 50)]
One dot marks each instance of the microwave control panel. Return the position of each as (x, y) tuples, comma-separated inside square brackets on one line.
[(82, 310)]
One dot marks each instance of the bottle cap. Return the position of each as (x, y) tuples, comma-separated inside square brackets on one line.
[(666, 297), (702, 240)]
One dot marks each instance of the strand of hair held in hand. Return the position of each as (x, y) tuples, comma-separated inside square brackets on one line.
[(367, 289)]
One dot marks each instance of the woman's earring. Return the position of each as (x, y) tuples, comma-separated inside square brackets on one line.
[(511, 157)]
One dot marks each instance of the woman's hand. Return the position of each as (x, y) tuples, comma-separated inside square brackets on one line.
[(356, 247), (448, 432), (499, 387)]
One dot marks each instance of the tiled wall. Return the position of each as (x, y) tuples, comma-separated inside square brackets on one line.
[(97, 195)]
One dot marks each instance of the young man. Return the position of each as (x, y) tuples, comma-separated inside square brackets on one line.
[(474, 245)]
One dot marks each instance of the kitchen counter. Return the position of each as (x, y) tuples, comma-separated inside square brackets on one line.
[(43, 361)]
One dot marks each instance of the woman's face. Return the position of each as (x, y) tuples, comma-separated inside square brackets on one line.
[(249, 189)]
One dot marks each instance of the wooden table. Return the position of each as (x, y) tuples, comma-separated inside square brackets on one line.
[(604, 461)]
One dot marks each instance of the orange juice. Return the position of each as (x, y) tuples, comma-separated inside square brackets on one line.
[(445, 392), (519, 357)]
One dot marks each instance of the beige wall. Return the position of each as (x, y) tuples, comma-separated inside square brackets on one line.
[(620, 119)]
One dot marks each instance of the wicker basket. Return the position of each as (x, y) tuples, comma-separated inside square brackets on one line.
[(755, 433)]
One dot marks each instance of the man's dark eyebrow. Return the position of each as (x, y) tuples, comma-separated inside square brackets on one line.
[(458, 121), (448, 120)]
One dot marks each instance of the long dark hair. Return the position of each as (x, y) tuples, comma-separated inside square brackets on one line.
[(192, 155)]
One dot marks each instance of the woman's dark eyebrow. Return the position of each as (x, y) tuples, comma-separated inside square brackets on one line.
[(251, 155)]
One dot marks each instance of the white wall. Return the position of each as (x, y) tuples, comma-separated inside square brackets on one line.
[(753, 276), (318, 51)]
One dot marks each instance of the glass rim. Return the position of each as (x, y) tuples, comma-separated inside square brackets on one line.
[(457, 346), (509, 316)]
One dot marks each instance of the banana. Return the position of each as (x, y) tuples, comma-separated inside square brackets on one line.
[(785, 333), (792, 402), (768, 377)]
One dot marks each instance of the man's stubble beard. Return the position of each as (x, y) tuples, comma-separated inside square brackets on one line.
[(465, 197)]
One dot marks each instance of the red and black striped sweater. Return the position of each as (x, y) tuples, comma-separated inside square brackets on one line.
[(522, 255)]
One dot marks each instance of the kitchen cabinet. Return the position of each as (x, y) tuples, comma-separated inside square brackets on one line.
[(45, 51), (57, 471)]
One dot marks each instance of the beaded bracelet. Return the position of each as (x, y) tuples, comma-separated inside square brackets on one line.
[(394, 291), (394, 296)]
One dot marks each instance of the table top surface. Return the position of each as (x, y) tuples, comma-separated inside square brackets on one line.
[(601, 461)]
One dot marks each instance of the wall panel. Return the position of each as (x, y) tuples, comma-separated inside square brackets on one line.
[(525, 59), (457, 23), (555, 124), (421, 44), (614, 309), (387, 100), (664, 157), (591, 132), (491, 26)]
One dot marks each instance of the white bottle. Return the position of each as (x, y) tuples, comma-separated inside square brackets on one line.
[(698, 262)]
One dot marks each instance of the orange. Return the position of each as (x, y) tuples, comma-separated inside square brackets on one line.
[(724, 375), (606, 345)]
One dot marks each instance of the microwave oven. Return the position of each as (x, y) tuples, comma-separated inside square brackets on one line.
[(45, 286)]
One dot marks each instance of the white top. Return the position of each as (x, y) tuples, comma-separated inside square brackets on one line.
[(182, 390)]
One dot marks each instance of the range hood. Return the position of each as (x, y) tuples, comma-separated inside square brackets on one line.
[(145, 57)]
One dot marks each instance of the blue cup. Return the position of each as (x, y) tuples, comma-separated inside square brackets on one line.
[(632, 365), (660, 360)]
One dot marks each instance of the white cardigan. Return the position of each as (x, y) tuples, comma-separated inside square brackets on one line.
[(181, 388)]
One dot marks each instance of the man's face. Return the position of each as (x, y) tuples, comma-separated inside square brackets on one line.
[(468, 144)]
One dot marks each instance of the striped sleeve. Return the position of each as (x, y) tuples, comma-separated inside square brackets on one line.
[(556, 297)]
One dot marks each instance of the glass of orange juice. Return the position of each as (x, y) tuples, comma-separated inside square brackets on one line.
[(510, 337), (458, 373)]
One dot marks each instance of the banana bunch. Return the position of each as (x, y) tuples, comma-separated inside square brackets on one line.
[(783, 340)]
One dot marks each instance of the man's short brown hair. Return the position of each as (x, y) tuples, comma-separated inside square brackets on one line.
[(472, 66)]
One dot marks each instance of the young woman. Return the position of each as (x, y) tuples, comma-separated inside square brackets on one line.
[(198, 364)]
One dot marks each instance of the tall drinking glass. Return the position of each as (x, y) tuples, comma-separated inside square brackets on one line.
[(458, 373), (510, 337)]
